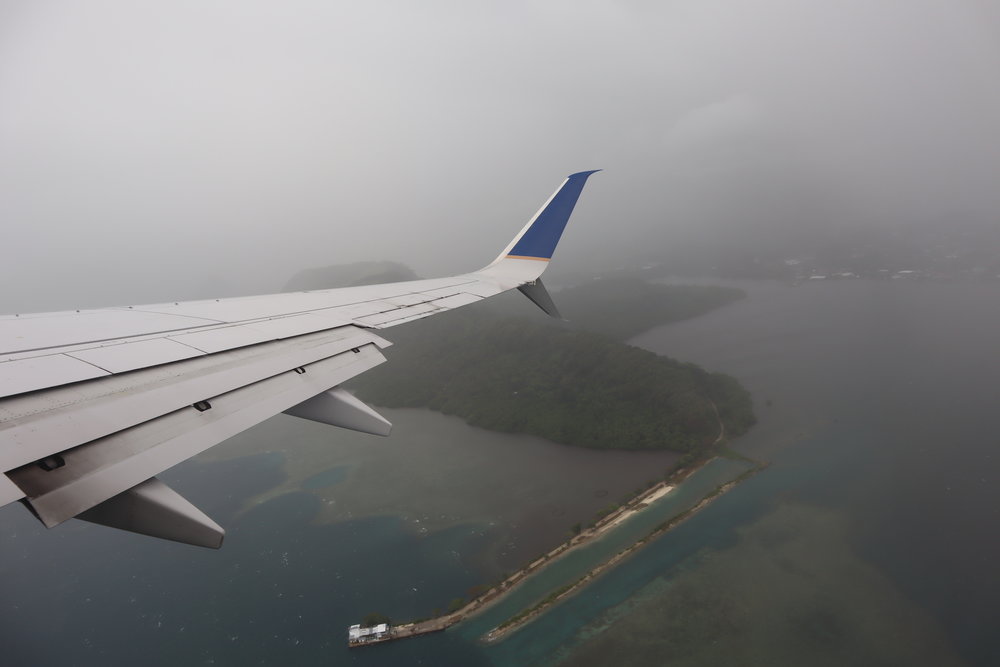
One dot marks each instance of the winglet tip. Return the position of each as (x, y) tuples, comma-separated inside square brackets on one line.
[(540, 236)]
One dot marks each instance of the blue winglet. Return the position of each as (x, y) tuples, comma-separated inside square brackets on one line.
[(539, 239)]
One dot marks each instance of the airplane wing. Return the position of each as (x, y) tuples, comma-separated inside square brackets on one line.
[(95, 403)]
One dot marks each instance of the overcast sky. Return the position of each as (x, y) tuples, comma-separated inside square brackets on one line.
[(167, 150)]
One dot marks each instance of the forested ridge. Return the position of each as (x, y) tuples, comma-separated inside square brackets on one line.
[(503, 366), (565, 385)]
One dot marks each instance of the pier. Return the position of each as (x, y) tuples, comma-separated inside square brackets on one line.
[(378, 634), (595, 531), (441, 623)]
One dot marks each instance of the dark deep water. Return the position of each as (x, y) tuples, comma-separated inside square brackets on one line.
[(882, 421), (872, 539)]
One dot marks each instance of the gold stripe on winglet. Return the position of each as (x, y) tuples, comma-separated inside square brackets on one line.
[(537, 259)]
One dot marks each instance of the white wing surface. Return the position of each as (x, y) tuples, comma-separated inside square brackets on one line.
[(95, 403)]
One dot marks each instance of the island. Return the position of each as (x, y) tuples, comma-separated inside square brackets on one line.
[(565, 385)]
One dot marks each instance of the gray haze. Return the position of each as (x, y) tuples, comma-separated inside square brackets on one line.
[(154, 151)]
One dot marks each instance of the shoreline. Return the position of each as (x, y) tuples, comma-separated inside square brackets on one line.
[(595, 531), (601, 527), (598, 530), (518, 621)]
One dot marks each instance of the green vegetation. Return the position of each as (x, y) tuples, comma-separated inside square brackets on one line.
[(572, 387), (561, 381), (375, 618)]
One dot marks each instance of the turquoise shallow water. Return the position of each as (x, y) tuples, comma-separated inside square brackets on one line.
[(577, 563), (878, 403), (555, 634)]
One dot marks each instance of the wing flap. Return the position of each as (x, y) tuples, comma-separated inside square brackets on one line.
[(456, 301), (53, 330), (485, 288), (36, 426), (140, 354), (380, 319), (94, 472), (24, 375), (250, 333)]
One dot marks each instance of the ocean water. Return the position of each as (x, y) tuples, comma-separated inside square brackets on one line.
[(323, 527), (581, 560), (871, 539)]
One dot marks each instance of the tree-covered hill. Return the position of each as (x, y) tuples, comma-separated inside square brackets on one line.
[(503, 365), (625, 307), (568, 386)]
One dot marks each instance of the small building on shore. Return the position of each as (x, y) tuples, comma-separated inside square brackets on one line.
[(357, 635)]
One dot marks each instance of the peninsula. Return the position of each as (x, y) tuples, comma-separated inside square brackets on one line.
[(568, 386)]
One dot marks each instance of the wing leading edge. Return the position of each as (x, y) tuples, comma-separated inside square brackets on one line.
[(94, 404)]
